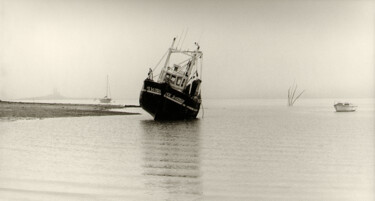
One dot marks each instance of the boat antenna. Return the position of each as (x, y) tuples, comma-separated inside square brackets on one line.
[(174, 40), (187, 29), (197, 45)]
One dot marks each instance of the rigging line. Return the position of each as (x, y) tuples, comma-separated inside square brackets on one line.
[(197, 68), (202, 109), (193, 71), (201, 67), (160, 61), (183, 62), (179, 38), (187, 29)]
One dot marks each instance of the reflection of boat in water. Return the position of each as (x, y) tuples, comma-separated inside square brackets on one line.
[(176, 94), (171, 160), (107, 97), (345, 107)]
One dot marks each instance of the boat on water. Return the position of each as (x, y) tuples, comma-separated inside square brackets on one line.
[(107, 98), (176, 94), (345, 107)]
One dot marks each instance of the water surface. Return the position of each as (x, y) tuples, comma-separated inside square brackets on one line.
[(239, 150)]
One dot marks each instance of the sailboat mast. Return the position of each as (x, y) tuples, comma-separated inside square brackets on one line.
[(109, 90), (106, 94)]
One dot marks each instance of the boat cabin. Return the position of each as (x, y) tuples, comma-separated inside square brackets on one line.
[(177, 76)]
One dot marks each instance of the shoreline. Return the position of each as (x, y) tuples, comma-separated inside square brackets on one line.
[(32, 110)]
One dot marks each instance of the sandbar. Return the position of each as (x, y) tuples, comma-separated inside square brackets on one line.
[(30, 110)]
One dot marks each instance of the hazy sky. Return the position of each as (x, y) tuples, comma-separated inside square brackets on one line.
[(253, 49)]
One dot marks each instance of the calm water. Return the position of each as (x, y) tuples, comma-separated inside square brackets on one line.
[(240, 150)]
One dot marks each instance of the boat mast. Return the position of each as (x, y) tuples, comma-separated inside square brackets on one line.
[(193, 60), (169, 54)]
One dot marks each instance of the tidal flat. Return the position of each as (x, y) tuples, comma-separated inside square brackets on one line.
[(30, 110)]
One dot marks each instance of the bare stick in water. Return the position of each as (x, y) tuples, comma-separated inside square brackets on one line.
[(298, 96), (291, 94)]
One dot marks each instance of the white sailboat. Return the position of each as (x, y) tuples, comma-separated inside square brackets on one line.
[(107, 98)]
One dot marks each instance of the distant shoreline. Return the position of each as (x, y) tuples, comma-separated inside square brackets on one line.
[(30, 110)]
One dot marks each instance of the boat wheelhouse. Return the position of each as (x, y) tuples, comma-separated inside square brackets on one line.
[(176, 93)]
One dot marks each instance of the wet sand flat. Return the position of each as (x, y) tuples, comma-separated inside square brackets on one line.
[(22, 110)]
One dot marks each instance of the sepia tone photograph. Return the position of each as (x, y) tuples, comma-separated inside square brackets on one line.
[(169, 100)]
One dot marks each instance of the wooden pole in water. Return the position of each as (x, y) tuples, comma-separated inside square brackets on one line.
[(291, 95), (294, 92), (298, 96)]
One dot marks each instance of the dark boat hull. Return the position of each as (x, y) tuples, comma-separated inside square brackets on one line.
[(165, 103)]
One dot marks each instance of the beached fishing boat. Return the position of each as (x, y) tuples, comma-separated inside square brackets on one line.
[(345, 107), (176, 93), (107, 98)]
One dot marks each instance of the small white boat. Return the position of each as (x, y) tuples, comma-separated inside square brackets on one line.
[(345, 107)]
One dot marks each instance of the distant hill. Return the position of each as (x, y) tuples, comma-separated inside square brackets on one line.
[(54, 96), (48, 97)]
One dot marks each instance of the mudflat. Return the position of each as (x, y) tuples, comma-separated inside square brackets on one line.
[(25, 110)]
